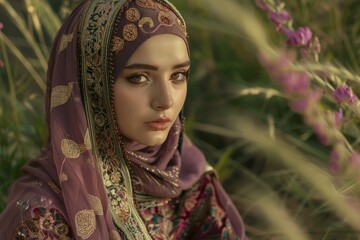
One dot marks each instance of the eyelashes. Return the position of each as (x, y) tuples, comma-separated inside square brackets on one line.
[(144, 77)]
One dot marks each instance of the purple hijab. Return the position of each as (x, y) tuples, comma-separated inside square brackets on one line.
[(89, 176)]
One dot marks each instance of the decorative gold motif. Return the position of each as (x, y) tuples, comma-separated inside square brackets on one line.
[(96, 27), (182, 27), (162, 7), (70, 148), (53, 187), (132, 14), (96, 205), (130, 32), (137, 156), (117, 44), (114, 235), (65, 40), (85, 223), (60, 95), (63, 177), (87, 141), (164, 18), (146, 4), (146, 20)]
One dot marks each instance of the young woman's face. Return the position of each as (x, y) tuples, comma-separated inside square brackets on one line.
[(151, 89)]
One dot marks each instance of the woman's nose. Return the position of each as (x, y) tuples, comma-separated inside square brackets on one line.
[(162, 96)]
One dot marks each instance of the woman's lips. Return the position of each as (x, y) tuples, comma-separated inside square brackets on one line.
[(159, 124)]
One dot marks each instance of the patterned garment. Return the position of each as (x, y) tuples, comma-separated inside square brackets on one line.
[(90, 183), (195, 214)]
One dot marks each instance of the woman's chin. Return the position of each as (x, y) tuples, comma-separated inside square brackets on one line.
[(151, 139)]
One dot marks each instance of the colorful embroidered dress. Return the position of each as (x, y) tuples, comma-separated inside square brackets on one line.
[(90, 182)]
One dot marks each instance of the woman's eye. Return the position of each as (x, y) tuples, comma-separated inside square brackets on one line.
[(179, 76), (137, 79)]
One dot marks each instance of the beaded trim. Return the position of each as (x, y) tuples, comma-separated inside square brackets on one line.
[(97, 83)]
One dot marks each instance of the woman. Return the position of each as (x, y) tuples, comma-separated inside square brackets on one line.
[(117, 165)]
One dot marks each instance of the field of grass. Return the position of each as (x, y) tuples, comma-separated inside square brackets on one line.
[(293, 173)]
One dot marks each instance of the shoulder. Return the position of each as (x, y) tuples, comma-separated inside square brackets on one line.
[(34, 211)]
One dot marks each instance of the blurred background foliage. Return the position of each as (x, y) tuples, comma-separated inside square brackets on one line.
[(234, 111)]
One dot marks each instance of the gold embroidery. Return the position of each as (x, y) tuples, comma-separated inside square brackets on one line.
[(60, 95), (181, 26), (96, 205), (132, 14), (117, 44), (82, 148), (87, 140), (146, 4), (63, 177), (95, 32), (130, 32), (53, 187), (164, 18), (70, 148), (163, 8), (146, 20), (85, 223), (137, 156), (122, 212), (114, 235), (65, 40)]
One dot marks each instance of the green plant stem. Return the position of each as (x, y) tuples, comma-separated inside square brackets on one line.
[(29, 67)]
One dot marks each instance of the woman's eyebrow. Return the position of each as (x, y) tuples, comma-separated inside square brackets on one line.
[(181, 65), (154, 68), (142, 66)]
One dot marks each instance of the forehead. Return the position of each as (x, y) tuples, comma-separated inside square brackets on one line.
[(162, 49)]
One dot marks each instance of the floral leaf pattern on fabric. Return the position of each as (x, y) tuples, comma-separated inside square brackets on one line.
[(61, 94), (65, 40), (85, 223), (70, 148), (196, 213), (96, 205), (45, 223)]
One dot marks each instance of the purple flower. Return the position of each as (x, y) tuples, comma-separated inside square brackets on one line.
[(345, 94), (334, 155), (294, 82), (334, 164), (279, 18), (300, 37), (2, 64), (264, 6), (355, 159), (321, 134), (1, 25), (338, 118)]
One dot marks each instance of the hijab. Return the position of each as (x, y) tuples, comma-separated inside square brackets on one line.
[(98, 173), (91, 177)]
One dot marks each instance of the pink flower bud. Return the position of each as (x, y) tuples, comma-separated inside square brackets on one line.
[(345, 94), (355, 159), (300, 37), (279, 18), (264, 6), (321, 134), (294, 82), (338, 118)]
